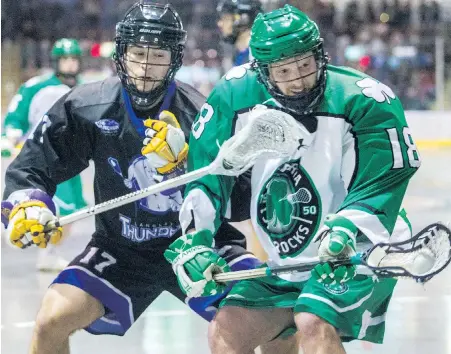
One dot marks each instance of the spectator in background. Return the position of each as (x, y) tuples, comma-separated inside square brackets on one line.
[(352, 19), (390, 7), (91, 22), (30, 35), (10, 25), (429, 13), (403, 15), (33, 21), (235, 21), (325, 18), (370, 12), (52, 20), (325, 14)]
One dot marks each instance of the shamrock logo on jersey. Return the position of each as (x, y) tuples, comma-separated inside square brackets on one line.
[(237, 72), (278, 210), (289, 209), (280, 204), (376, 90)]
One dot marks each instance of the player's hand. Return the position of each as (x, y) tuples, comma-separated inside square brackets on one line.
[(10, 140), (194, 262), (27, 219), (164, 145), (336, 242), (128, 182), (7, 147)]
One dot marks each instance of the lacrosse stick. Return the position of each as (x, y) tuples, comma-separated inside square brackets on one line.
[(303, 195), (419, 258), (269, 133)]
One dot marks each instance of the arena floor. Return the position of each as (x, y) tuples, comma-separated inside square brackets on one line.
[(418, 321)]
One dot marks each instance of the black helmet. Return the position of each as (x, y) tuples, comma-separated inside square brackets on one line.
[(149, 25), (244, 12)]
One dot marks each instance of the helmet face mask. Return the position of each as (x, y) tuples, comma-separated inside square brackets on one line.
[(146, 67), (149, 51), (290, 59), (298, 73), (301, 89)]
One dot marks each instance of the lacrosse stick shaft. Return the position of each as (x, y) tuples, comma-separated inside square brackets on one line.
[(286, 269), (263, 272), (131, 197)]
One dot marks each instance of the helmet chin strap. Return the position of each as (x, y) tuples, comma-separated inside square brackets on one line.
[(163, 100), (142, 105), (67, 79)]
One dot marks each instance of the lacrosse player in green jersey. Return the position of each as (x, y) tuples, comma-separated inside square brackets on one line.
[(27, 108), (343, 189)]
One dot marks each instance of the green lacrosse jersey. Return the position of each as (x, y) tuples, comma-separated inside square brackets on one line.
[(34, 98), (19, 115), (357, 165)]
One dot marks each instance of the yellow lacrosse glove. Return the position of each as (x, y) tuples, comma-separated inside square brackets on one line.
[(164, 145), (28, 222)]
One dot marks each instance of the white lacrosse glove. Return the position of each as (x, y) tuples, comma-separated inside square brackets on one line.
[(164, 145), (9, 140), (7, 147)]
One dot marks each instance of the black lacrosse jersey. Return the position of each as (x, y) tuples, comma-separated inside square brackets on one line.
[(96, 122)]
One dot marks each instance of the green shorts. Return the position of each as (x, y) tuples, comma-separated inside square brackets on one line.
[(357, 308)]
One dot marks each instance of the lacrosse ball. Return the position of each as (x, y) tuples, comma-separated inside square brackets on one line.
[(423, 262)]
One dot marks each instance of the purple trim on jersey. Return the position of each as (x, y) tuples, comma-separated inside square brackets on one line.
[(105, 325), (246, 263), (177, 172), (139, 123), (6, 211), (121, 317), (37, 194), (207, 306)]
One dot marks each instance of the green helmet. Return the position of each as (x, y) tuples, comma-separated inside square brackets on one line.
[(66, 47), (285, 33)]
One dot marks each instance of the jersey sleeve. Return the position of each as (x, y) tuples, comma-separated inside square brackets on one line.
[(379, 158), (58, 149), (18, 109), (206, 199)]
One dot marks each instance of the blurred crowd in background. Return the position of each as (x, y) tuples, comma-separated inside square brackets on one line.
[(392, 40)]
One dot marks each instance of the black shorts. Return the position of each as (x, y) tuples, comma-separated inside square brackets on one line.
[(127, 281)]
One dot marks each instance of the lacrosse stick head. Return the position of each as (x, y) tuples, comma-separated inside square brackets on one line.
[(270, 133), (419, 258)]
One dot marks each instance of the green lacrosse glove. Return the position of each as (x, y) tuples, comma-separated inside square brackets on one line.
[(326, 274), (195, 262), (337, 242)]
